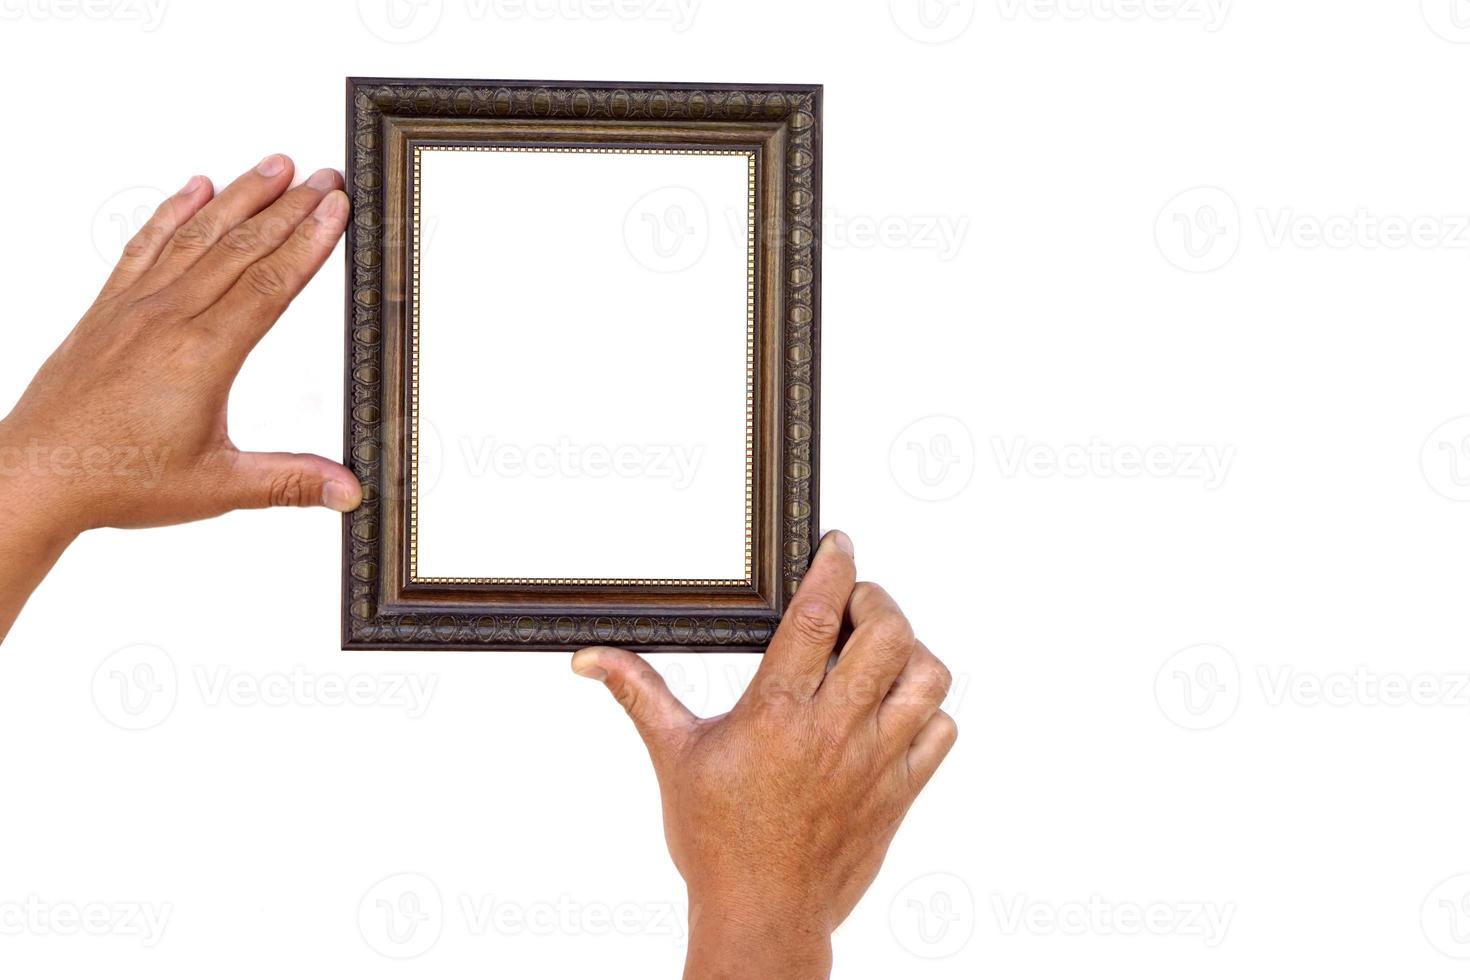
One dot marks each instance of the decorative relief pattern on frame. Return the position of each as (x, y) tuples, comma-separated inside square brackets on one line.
[(370, 101)]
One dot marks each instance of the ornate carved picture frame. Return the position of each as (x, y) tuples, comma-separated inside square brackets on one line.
[(399, 131)]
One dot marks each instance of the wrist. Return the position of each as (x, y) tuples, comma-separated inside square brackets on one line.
[(31, 518), (32, 535), (731, 936)]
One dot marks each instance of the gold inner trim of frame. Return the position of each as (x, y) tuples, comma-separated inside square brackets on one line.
[(413, 520)]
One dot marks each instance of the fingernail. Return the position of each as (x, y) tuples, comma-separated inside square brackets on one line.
[(271, 165), (322, 180), (340, 497), (192, 186), (584, 664), (332, 208), (842, 543)]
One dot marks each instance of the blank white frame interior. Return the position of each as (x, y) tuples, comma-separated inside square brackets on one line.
[(582, 347)]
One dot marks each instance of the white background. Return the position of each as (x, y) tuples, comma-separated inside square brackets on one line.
[(1059, 307)]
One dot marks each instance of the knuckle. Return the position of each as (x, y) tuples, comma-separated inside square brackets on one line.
[(304, 234), (263, 279), (188, 358), (935, 681), (273, 228), (771, 695), (628, 696), (139, 246), (853, 690), (155, 309), (194, 236), (946, 728), (242, 240), (813, 620), (288, 490), (831, 745), (891, 632)]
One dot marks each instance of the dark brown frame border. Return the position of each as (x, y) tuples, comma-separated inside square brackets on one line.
[(382, 609)]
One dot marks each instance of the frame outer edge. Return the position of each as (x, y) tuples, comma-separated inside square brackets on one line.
[(369, 101)]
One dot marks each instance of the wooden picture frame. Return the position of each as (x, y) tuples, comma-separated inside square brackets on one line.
[(389, 123)]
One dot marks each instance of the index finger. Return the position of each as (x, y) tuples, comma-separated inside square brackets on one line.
[(797, 658), (265, 289), (148, 244), (881, 645)]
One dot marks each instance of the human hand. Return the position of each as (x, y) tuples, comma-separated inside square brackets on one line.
[(778, 814), (124, 425)]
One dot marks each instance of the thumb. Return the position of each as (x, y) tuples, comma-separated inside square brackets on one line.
[(293, 480), (660, 717)]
